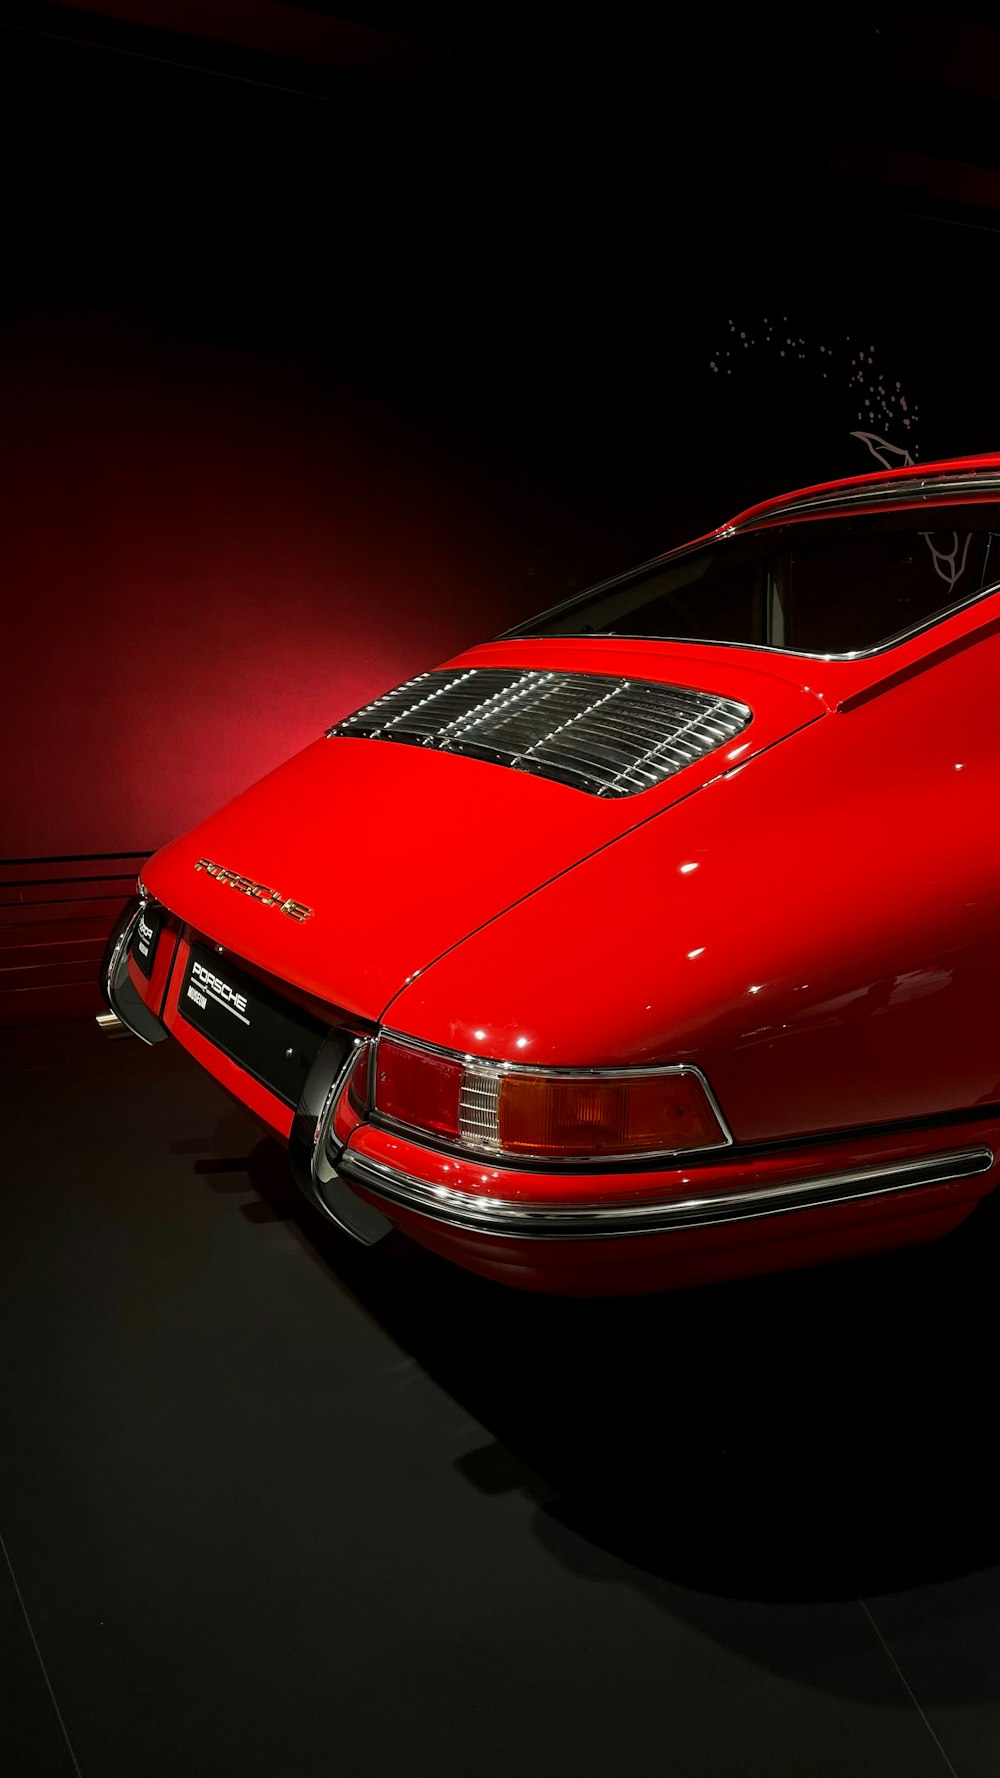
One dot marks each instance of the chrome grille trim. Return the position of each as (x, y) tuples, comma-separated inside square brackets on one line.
[(598, 733)]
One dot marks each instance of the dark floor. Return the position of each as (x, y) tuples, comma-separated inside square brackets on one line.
[(276, 1507)]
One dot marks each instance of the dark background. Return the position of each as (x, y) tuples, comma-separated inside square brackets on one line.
[(328, 345), (331, 344)]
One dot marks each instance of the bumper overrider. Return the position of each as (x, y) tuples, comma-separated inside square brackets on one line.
[(133, 928), (368, 1175)]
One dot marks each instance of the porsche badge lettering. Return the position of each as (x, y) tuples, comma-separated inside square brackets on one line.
[(220, 990), (269, 898)]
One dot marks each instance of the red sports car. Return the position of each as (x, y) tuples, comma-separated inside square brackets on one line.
[(657, 941)]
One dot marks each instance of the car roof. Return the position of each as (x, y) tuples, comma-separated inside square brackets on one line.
[(953, 479)]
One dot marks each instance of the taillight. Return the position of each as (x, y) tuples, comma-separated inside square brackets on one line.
[(415, 1086), (496, 1108), (357, 1080), (637, 1114)]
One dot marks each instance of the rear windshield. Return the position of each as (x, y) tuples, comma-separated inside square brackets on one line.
[(828, 586)]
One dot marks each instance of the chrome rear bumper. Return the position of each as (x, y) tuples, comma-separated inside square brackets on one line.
[(127, 1008), (582, 1222)]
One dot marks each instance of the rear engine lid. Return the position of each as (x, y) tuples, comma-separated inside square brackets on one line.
[(606, 734), (353, 866)]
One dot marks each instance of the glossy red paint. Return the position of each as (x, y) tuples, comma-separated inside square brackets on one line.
[(810, 916), (402, 853), (826, 924), (696, 1256), (684, 1177)]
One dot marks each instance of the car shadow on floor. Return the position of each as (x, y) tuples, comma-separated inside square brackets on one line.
[(814, 1436)]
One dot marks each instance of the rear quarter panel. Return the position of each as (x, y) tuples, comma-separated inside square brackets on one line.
[(817, 929)]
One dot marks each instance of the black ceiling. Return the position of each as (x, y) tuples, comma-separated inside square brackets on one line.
[(538, 229)]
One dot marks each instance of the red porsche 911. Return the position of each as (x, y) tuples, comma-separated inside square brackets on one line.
[(655, 942)]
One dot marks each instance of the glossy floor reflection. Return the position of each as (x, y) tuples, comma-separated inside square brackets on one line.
[(280, 1507)]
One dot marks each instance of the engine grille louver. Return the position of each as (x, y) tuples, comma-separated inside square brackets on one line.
[(598, 733)]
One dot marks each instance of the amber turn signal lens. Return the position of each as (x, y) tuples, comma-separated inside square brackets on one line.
[(580, 1117), (495, 1108)]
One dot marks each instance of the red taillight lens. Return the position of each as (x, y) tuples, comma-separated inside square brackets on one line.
[(493, 1108), (621, 1115), (415, 1087), (357, 1081)]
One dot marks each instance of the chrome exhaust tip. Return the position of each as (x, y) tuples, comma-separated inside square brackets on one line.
[(112, 1025)]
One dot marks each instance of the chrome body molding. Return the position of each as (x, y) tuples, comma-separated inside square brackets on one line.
[(798, 654), (582, 1222)]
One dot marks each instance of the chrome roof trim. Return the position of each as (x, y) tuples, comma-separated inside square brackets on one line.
[(601, 1221), (931, 487), (880, 495)]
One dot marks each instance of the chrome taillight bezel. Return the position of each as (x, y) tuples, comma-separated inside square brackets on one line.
[(492, 1070)]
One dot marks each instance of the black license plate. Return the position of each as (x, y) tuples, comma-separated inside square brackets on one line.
[(145, 939), (271, 1038)]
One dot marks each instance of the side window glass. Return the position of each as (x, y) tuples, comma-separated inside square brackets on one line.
[(840, 594), (836, 585), (716, 595)]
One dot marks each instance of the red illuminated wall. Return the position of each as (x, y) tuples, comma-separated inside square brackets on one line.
[(209, 555)]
